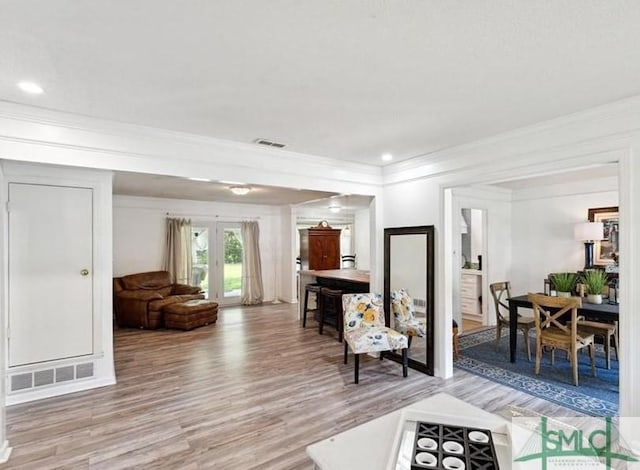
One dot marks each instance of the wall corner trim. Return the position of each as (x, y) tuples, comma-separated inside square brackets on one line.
[(5, 451)]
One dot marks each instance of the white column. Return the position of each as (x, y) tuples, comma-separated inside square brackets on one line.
[(376, 253), (5, 450), (629, 173), (629, 176)]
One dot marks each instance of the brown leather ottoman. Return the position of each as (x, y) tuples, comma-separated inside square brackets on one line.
[(190, 314)]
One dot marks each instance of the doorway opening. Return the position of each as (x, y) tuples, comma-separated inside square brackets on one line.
[(471, 313)]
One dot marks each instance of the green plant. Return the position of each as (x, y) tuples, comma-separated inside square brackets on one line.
[(232, 248), (564, 282), (595, 281), (232, 277)]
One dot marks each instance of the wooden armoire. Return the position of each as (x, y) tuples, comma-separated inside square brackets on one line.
[(320, 247)]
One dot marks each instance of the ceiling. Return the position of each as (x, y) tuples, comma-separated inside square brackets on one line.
[(562, 177), (170, 187), (344, 79)]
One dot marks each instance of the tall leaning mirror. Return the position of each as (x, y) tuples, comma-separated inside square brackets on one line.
[(409, 291)]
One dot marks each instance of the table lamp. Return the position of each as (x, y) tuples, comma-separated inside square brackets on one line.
[(588, 232)]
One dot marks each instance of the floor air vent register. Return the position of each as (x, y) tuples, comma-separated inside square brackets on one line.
[(51, 376)]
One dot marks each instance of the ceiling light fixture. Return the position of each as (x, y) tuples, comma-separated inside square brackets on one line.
[(335, 209), (240, 190), (30, 87), (387, 157), (205, 180)]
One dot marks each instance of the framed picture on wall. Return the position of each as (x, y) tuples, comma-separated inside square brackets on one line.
[(605, 252)]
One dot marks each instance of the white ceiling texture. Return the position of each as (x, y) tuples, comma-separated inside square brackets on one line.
[(346, 79)]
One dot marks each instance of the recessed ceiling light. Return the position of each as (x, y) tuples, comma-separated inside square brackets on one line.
[(387, 157), (206, 180), (335, 209), (30, 87), (240, 190)]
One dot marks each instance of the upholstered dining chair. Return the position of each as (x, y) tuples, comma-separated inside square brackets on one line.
[(404, 313), (555, 332), (501, 291), (364, 330)]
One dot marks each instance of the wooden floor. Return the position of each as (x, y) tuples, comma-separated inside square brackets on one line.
[(471, 325), (250, 392)]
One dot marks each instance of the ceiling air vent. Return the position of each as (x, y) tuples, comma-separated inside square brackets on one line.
[(269, 143)]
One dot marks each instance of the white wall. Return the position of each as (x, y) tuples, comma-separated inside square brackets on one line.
[(542, 233), (138, 237), (287, 285), (412, 203), (362, 242), (139, 232)]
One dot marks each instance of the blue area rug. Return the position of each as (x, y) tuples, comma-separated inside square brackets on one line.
[(594, 396)]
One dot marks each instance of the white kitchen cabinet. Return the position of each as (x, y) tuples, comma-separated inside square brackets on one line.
[(470, 292)]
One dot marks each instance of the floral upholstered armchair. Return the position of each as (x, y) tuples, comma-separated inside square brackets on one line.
[(364, 330), (404, 313)]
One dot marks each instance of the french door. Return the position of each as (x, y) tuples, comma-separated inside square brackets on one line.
[(229, 261), (217, 260)]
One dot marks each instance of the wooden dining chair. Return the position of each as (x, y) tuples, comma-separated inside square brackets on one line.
[(501, 291), (554, 332), (607, 331)]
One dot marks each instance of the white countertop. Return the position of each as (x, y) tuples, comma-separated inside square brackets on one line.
[(477, 272)]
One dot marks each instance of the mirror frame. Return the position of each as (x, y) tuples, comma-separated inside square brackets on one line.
[(428, 366)]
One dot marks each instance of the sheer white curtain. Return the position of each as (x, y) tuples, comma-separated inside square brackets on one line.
[(177, 259), (252, 292)]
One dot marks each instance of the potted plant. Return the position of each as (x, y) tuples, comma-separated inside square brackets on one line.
[(564, 283), (595, 280)]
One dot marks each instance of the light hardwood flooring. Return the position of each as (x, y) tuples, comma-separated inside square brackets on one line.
[(471, 325), (250, 392)]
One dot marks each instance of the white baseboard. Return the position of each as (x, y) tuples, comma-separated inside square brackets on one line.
[(5, 451)]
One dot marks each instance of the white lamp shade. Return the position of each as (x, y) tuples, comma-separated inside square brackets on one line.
[(589, 231)]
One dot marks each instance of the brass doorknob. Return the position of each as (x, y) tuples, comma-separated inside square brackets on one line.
[(84, 272)]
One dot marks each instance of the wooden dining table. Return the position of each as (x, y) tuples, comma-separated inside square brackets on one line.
[(604, 312)]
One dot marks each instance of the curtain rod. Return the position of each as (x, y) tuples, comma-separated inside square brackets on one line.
[(211, 216)]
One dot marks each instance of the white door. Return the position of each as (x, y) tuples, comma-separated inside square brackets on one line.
[(50, 273)]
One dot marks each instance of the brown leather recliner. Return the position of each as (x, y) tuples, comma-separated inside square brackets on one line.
[(140, 298)]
